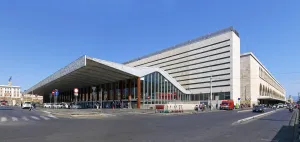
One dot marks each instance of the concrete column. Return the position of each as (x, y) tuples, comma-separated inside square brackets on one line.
[(89, 93), (97, 91), (82, 95), (129, 90), (138, 83), (114, 91), (81, 92), (108, 91), (121, 89)]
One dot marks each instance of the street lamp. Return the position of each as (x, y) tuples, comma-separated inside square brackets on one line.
[(210, 92)]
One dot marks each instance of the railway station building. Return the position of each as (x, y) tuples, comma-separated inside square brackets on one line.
[(189, 72)]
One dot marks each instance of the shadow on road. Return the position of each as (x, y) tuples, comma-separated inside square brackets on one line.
[(285, 134)]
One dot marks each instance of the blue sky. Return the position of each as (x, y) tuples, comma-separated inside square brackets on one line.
[(39, 37)]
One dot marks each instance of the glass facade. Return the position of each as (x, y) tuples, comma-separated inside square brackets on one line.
[(206, 96), (158, 90), (154, 89)]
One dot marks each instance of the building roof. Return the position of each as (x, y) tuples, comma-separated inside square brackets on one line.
[(251, 54), (88, 71), (201, 38), (10, 86)]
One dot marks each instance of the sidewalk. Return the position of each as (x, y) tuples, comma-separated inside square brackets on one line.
[(94, 112)]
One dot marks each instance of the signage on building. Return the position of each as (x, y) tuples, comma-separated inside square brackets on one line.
[(75, 91), (56, 93)]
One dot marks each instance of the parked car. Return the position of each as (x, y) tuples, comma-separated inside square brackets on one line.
[(258, 109), (58, 106), (47, 105), (76, 106), (227, 105)]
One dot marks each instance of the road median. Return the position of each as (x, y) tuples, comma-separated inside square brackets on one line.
[(254, 117)]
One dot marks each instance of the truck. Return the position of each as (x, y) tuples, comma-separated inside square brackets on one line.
[(227, 105)]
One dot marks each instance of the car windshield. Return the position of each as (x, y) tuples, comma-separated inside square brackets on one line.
[(224, 103), (27, 103)]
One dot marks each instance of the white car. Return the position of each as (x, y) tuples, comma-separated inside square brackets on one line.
[(58, 106), (47, 105), (26, 105)]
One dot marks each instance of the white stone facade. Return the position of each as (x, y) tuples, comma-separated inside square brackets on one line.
[(257, 83), (192, 65), (10, 91)]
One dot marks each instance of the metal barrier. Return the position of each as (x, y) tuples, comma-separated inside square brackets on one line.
[(168, 109)]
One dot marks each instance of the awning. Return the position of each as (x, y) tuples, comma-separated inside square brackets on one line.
[(87, 71)]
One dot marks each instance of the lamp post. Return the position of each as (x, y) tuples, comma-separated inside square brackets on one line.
[(210, 92)]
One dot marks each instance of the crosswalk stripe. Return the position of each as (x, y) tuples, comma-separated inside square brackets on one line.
[(44, 117), (3, 119), (25, 118), (52, 116), (14, 118), (34, 117)]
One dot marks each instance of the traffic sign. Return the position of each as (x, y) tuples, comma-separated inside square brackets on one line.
[(75, 90), (239, 98), (56, 93)]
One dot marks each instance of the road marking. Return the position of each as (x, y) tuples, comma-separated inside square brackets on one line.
[(25, 118), (253, 117), (244, 110), (52, 116), (34, 117), (44, 117), (14, 118), (3, 119)]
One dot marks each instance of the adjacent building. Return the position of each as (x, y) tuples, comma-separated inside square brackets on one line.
[(258, 85), (10, 93)]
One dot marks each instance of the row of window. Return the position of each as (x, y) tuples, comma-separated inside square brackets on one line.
[(191, 56), (215, 96), (265, 76), (160, 59), (266, 91)]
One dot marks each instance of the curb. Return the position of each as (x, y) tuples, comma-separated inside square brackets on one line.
[(253, 117)]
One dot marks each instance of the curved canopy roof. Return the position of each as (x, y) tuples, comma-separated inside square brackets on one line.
[(88, 71)]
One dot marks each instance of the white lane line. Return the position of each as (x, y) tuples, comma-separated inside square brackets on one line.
[(244, 111), (34, 117), (52, 116), (14, 119), (3, 119), (25, 118), (44, 117)]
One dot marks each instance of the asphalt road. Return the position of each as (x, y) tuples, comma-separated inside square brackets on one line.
[(16, 116), (208, 127)]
